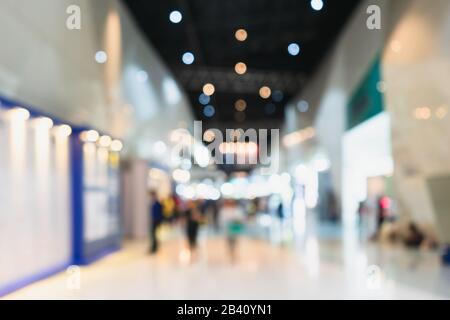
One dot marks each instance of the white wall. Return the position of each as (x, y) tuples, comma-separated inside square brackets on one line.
[(330, 89), (35, 210), (415, 53), (366, 152), (417, 75), (45, 64)]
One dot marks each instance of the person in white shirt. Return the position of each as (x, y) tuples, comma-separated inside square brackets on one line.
[(232, 219)]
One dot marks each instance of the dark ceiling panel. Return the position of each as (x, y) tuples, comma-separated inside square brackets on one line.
[(208, 29)]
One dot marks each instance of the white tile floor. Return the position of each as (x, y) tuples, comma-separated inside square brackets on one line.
[(307, 268)]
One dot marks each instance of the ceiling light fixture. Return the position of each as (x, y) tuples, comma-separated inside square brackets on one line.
[(240, 105), (317, 4), (241, 35), (175, 16), (265, 92), (209, 89), (188, 58), (240, 68)]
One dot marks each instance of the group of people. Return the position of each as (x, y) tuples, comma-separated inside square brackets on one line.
[(226, 215)]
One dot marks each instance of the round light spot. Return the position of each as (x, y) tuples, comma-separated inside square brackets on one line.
[(89, 136), (209, 89), (396, 46), (188, 58), (175, 16), (265, 92), (317, 4), (241, 35), (105, 141), (101, 57), (204, 99), (277, 96), (209, 136), (422, 113), (116, 145), (240, 105), (293, 49), (441, 112), (209, 111), (240, 68), (65, 130)]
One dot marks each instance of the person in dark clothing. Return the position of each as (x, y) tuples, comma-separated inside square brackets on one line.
[(280, 211), (383, 205), (156, 218), (215, 215), (193, 217), (415, 237)]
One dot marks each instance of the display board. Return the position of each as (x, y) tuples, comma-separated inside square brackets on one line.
[(35, 211), (367, 100), (97, 195)]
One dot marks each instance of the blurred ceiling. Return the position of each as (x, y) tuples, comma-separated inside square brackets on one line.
[(207, 30)]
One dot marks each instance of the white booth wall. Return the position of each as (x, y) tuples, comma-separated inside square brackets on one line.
[(35, 211)]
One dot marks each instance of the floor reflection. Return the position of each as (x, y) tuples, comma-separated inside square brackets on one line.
[(306, 266)]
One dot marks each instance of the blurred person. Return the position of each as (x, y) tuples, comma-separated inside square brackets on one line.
[(332, 205), (169, 208), (215, 215), (156, 218), (414, 237), (383, 205), (232, 217), (193, 219), (253, 208), (363, 212), (280, 211)]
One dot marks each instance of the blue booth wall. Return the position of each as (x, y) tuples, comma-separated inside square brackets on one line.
[(96, 199), (45, 223)]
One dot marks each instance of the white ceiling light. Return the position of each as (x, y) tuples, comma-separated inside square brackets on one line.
[(188, 58), (293, 49), (317, 4), (175, 16), (101, 57)]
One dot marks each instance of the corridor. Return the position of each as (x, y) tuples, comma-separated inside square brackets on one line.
[(315, 269)]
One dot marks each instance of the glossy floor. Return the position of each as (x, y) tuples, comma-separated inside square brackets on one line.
[(308, 267)]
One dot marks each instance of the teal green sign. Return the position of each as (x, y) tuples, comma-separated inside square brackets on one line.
[(367, 100)]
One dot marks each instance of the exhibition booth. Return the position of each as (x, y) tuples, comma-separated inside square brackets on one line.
[(59, 195)]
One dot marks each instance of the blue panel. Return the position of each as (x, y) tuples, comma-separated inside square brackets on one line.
[(446, 255), (76, 159), (16, 285), (85, 252)]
